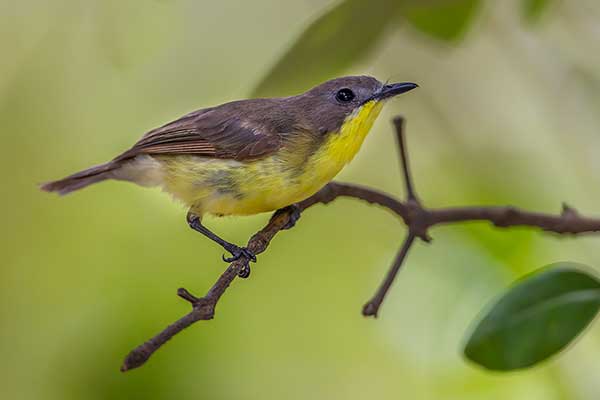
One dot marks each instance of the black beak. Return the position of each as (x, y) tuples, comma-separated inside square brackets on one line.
[(394, 89)]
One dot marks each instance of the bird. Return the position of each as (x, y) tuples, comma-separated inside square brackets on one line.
[(250, 156)]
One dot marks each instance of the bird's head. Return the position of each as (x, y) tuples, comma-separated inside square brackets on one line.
[(334, 102)]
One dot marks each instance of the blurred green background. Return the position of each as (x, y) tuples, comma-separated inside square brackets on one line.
[(507, 113)]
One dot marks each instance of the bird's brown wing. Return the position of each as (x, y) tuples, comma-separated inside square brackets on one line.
[(214, 132)]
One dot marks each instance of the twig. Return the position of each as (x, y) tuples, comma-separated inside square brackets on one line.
[(410, 191), (417, 218), (372, 307), (203, 308)]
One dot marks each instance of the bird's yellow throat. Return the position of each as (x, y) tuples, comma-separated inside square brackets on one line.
[(250, 156), (228, 187), (341, 147)]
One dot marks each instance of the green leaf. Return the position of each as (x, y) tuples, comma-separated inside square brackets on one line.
[(442, 20), (332, 43), (533, 9), (536, 318)]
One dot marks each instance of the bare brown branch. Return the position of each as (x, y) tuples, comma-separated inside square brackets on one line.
[(399, 123), (372, 307), (417, 218)]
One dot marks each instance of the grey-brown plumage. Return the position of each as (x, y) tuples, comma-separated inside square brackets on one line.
[(240, 130), (250, 156)]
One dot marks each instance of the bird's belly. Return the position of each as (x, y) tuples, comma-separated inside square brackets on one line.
[(229, 187), (226, 187)]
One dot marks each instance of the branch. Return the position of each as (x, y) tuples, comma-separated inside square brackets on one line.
[(372, 307), (410, 191), (415, 216), (203, 308)]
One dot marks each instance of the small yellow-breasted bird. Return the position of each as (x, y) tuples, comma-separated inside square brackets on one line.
[(250, 156)]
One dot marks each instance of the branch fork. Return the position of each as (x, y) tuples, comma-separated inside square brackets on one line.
[(415, 216)]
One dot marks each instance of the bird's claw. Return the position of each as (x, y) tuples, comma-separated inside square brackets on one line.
[(245, 271), (237, 253)]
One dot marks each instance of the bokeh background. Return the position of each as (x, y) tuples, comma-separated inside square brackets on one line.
[(508, 113)]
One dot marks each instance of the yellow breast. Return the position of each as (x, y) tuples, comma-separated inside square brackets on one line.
[(340, 148), (226, 187)]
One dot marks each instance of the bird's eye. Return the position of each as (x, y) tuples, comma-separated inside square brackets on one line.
[(345, 95)]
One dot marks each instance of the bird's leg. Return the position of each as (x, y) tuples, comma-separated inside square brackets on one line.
[(195, 223), (295, 214)]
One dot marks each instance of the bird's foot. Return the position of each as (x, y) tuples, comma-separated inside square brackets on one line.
[(245, 271), (237, 253)]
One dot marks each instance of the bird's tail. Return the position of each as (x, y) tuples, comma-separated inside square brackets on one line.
[(81, 179)]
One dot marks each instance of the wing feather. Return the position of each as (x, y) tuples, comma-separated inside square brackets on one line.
[(227, 132)]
